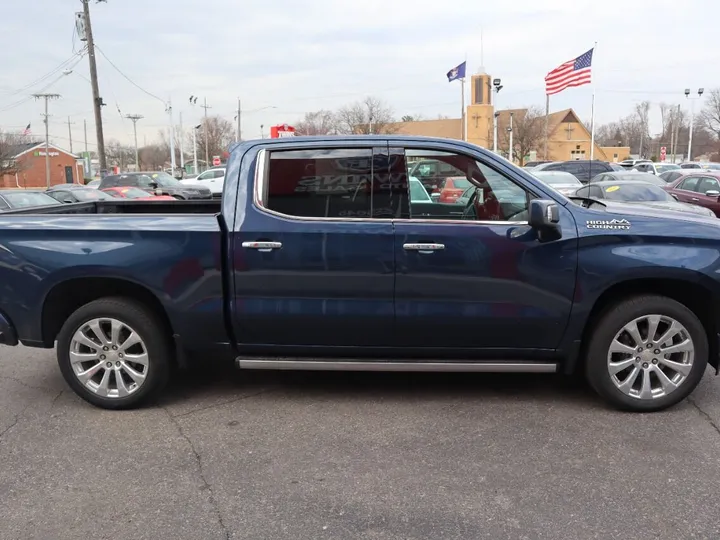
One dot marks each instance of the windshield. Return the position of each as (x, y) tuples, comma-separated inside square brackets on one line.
[(666, 167), (418, 192), (90, 195), (133, 193), (163, 179), (635, 193), (24, 199), (458, 183)]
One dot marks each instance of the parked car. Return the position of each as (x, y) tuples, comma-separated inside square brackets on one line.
[(633, 192), (616, 167), (451, 190), (690, 165), (630, 163), (656, 168), (564, 182), (433, 173), (213, 179), (93, 184), (698, 187), (583, 170), (532, 164), (711, 166), (157, 182), (135, 194), (629, 176), (73, 193), (671, 176), (274, 277), (11, 199)]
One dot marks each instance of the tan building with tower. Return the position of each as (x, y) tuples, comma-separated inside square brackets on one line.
[(568, 137)]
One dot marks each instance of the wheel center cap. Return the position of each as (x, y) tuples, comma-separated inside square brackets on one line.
[(648, 355)]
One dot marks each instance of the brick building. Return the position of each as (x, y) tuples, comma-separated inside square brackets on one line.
[(28, 163)]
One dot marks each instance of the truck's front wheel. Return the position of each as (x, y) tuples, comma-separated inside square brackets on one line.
[(114, 353), (646, 353)]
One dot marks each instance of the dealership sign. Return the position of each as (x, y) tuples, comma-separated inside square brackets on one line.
[(42, 153)]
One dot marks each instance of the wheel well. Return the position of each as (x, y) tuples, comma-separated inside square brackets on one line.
[(68, 296), (695, 297)]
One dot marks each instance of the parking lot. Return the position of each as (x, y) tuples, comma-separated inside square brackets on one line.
[(380, 456)]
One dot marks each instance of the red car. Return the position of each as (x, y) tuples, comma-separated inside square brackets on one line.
[(697, 186), (452, 189), (136, 194)]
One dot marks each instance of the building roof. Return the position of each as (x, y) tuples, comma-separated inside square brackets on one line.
[(24, 148), (446, 128)]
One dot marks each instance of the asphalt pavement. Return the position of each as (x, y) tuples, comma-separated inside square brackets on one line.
[(252, 455)]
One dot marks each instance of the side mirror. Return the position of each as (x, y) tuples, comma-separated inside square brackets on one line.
[(434, 197), (712, 193), (154, 185), (545, 219), (68, 200)]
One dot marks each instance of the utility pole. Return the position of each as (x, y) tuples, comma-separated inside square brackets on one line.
[(47, 97), (182, 157), (97, 100), (85, 127), (134, 118), (205, 129), (172, 138), (195, 165), (692, 118), (510, 129), (239, 122), (69, 123)]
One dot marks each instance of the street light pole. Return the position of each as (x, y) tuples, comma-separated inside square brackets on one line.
[(195, 165), (134, 118), (510, 129), (239, 122), (692, 118)]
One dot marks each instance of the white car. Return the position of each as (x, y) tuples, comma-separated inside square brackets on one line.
[(213, 179)]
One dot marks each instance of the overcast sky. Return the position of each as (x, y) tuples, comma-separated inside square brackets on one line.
[(300, 56)]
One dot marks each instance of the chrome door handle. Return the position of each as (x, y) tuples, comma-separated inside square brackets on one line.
[(264, 247), (423, 248), (694, 199)]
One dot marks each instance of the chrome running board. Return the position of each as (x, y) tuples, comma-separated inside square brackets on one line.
[(381, 365)]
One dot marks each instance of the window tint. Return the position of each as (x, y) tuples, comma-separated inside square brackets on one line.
[(596, 192), (707, 184), (689, 184), (583, 192), (494, 196), (336, 183)]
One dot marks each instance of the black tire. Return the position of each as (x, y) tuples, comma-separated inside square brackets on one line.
[(612, 321), (152, 331)]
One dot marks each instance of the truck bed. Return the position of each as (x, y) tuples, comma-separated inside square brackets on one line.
[(209, 206)]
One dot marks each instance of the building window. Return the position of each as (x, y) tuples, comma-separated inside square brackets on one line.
[(479, 84), (577, 154)]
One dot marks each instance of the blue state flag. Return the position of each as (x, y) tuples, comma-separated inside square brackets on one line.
[(456, 73)]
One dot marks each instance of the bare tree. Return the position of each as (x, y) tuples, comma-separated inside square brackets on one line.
[(220, 135), (528, 132), (119, 154), (153, 157), (643, 112), (365, 117), (710, 114), (412, 118), (320, 122), (11, 145)]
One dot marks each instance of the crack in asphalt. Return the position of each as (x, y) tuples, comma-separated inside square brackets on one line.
[(705, 415), (201, 474), (234, 400), (4, 431)]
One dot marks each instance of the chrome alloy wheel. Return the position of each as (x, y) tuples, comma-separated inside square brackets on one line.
[(650, 357), (109, 358)]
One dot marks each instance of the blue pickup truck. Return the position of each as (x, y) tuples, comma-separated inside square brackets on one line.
[(318, 258)]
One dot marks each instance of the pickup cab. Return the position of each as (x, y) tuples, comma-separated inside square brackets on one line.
[(318, 258)]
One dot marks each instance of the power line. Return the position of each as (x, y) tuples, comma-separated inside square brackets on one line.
[(128, 78), (64, 64)]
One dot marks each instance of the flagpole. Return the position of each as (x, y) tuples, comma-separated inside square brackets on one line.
[(462, 97), (592, 113), (547, 115)]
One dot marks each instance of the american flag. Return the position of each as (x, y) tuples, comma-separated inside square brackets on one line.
[(26, 131), (576, 72)]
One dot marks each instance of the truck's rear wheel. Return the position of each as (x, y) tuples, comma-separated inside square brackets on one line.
[(646, 354), (114, 353)]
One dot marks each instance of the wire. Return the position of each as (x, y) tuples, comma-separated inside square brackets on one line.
[(129, 79), (63, 65)]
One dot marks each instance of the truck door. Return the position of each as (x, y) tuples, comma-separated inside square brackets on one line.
[(481, 281), (314, 253)]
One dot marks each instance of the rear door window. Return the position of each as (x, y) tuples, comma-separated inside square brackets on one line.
[(689, 184), (335, 183)]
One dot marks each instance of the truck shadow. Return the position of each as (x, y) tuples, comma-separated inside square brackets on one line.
[(223, 382)]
